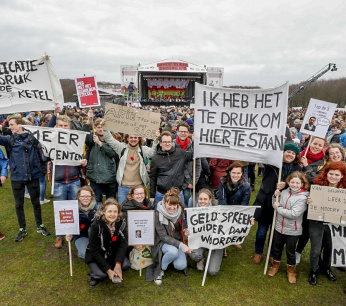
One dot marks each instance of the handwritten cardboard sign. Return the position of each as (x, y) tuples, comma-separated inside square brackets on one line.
[(131, 121), (66, 216), (141, 227), (328, 204)]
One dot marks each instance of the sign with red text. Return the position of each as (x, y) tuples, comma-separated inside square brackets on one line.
[(66, 216), (87, 92)]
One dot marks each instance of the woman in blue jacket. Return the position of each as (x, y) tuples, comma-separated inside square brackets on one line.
[(25, 166)]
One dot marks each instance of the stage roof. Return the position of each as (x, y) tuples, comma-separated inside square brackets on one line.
[(172, 65)]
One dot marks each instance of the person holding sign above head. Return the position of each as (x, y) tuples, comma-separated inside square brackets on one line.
[(132, 154), (86, 205), (205, 200), (333, 175), (288, 224), (25, 164), (264, 215), (107, 244), (170, 245)]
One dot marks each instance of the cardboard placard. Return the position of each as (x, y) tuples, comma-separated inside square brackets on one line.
[(131, 121), (328, 204), (141, 227)]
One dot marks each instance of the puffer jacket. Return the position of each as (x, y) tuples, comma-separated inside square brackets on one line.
[(290, 212), (239, 195)]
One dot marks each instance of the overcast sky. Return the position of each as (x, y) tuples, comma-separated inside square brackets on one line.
[(264, 43)]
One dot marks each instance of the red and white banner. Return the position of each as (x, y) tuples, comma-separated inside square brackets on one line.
[(87, 92)]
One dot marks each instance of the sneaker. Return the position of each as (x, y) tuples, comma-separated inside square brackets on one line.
[(200, 265), (92, 282), (298, 257), (44, 201), (2, 236), (158, 280), (42, 230), (21, 235), (26, 195)]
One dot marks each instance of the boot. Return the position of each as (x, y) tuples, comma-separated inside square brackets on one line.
[(58, 242), (291, 274), (274, 269)]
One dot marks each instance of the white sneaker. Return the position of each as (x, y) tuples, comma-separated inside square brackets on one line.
[(44, 201), (298, 256), (200, 265), (158, 280), (26, 195)]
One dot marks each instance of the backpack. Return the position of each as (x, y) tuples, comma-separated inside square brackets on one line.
[(75, 125), (140, 152)]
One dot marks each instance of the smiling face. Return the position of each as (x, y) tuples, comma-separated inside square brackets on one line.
[(335, 154), (139, 194), (85, 197), (295, 184), (171, 208), (317, 146), (289, 156), (203, 200), (236, 174), (133, 141), (166, 143), (111, 213), (334, 177), (183, 133)]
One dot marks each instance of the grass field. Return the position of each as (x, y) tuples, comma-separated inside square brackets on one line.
[(34, 273)]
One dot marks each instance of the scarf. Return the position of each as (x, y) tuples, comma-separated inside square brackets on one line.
[(233, 188), (184, 144), (331, 135), (286, 171), (165, 217), (311, 157), (87, 209)]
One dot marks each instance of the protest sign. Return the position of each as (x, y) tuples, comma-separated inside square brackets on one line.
[(217, 227), (131, 121), (29, 85), (339, 245), (241, 124), (66, 216), (141, 227), (317, 118), (87, 92), (63, 146), (328, 204)]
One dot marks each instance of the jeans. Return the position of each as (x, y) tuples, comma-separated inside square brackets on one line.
[(187, 193), (100, 189), (214, 262), (174, 255), (42, 180), (279, 241), (261, 236), (304, 237), (81, 245), (122, 193), (159, 196), (66, 191), (18, 188), (321, 241)]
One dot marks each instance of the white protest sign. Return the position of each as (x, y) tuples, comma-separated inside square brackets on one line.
[(141, 227), (66, 216), (65, 147), (339, 245), (132, 121), (217, 227), (29, 85), (241, 124), (317, 118)]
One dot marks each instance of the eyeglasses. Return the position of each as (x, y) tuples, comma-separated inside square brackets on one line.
[(167, 142), (85, 197)]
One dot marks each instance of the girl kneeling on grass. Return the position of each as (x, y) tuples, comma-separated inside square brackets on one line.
[(169, 244), (288, 225), (107, 244)]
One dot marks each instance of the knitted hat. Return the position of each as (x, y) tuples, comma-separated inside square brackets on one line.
[(189, 121), (292, 147)]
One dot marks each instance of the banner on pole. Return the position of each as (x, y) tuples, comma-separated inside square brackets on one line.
[(217, 227), (87, 92), (66, 216), (29, 85), (65, 147), (339, 245), (141, 227), (317, 118), (132, 121), (241, 124)]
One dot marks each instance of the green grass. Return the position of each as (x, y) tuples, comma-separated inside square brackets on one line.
[(33, 272)]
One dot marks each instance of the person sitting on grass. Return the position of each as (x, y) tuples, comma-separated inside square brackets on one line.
[(86, 204), (170, 245), (107, 246)]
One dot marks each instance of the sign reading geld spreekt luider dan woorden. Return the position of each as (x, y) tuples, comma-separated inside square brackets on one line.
[(241, 124), (217, 227)]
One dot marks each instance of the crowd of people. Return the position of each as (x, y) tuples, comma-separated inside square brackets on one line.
[(121, 172)]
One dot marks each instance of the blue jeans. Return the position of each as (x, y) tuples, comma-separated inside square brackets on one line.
[(175, 255), (42, 180), (100, 189), (66, 191), (81, 245), (187, 192), (261, 235), (159, 196), (122, 193)]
